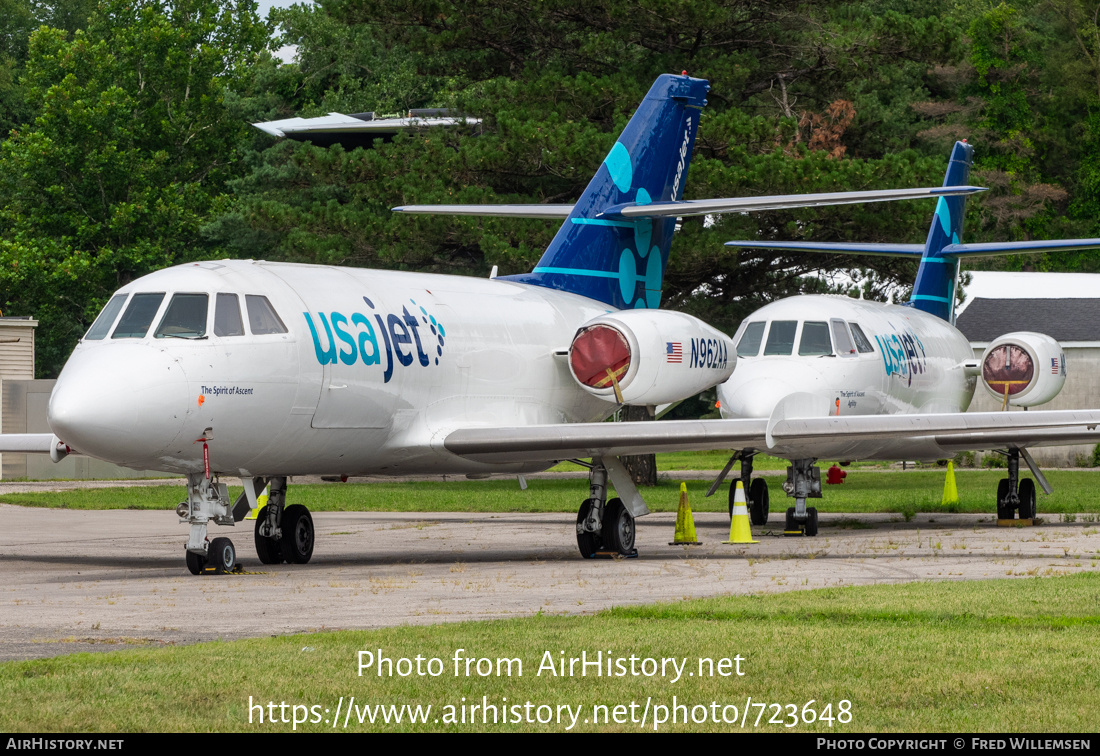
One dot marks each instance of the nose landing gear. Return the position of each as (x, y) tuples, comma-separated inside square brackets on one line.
[(281, 533), (803, 482)]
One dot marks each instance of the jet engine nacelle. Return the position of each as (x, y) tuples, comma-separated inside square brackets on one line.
[(655, 356), (1030, 368)]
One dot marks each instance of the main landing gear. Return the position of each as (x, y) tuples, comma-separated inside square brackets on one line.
[(282, 534), (803, 482), (606, 527), (1014, 494), (756, 492)]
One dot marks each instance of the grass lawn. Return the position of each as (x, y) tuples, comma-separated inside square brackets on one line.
[(992, 656)]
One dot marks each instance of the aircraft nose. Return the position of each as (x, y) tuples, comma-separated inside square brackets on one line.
[(124, 403), (753, 398)]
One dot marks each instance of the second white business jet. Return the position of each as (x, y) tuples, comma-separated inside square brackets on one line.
[(264, 370), (813, 356)]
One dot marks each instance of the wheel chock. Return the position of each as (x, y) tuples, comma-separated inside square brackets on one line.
[(792, 533), (1013, 523), (632, 554), (685, 524)]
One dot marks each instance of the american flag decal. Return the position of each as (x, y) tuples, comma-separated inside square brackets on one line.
[(674, 352), (1054, 366)]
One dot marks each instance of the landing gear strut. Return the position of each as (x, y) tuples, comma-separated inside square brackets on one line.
[(266, 535), (803, 482), (1014, 494), (603, 525), (207, 500), (756, 492), (281, 533)]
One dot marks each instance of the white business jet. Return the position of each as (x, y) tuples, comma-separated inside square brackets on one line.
[(813, 356), (264, 370)]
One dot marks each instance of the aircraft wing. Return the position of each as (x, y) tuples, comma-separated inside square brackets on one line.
[(963, 430), (633, 210)]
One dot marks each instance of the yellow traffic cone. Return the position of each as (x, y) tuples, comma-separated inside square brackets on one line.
[(739, 523), (685, 525), (261, 502), (950, 491)]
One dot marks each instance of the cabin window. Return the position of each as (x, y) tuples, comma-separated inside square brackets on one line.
[(781, 337), (749, 345), (185, 317), (815, 340), (138, 316), (106, 319), (863, 344), (841, 338), (262, 317), (227, 316)]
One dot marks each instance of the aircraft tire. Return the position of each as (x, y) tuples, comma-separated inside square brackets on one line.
[(758, 502), (267, 549), (811, 521), (791, 524), (618, 527), (195, 562), (1004, 511), (298, 535), (587, 543), (1027, 499), (221, 555)]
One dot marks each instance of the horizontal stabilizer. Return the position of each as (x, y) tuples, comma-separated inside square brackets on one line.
[(495, 211), (778, 202), (634, 210), (852, 248), (992, 249)]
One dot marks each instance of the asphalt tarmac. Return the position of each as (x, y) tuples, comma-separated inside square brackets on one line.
[(103, 580)]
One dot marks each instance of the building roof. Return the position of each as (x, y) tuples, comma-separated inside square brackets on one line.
[(989, 284), (1071, 319)]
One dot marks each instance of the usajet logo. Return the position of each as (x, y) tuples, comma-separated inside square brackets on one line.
[(683, 159), (903, 355), (404, 338)]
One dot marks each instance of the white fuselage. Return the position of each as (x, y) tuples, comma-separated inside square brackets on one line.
[(374, 369), (906, 362)]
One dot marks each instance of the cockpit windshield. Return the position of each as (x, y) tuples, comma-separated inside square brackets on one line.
[(227, 316), (138, 316), (185, 317), (815, 339), (102, 325), (749, 345), (780, 337)]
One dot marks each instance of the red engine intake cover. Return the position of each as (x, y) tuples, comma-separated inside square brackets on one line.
[(1008, 369), (597, 353)]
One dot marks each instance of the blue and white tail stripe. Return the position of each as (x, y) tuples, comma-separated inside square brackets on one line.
[(599, 254), (934, 289)]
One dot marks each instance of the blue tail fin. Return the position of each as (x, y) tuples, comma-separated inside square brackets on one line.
[(934, 290), (613, 259)]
